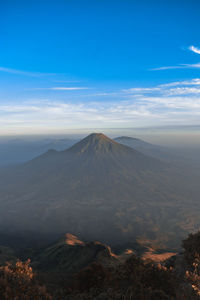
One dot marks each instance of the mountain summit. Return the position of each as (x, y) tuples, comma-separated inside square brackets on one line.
[(98, 153), (95, 143), (98, 189)]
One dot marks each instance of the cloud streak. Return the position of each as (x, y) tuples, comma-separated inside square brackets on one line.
[(195, 81), (166, 68), (24, 73), (181, 66), (194, 49), (61, 88), (186, 87)]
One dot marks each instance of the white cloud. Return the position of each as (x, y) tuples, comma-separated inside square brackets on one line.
[(183, 91), (141, 90), (185, 87), (175, 103), (67, 88), (194, 49), (191, 66), (166, 68), (24, 73), (195, 81), (181, 66), (147, 110), (62, 88)]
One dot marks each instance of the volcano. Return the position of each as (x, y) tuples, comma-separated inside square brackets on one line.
[(98, 189)]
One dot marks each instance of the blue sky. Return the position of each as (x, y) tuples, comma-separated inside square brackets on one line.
[(98, 64)]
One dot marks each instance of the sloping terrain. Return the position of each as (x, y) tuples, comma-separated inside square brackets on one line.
[(74, 269), (149, 149), (71, 254), (18, 150), (100, 190)]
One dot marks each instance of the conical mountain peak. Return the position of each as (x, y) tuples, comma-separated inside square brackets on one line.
[(93, 144), (98, 137)]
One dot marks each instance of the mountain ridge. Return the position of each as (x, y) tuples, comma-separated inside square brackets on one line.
[(98, 188)]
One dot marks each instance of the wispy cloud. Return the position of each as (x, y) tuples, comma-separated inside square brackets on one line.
[(67, 88), (182, 91), (181, 66), (24, 73), (174, 103), (195, 81), (146, 110), (62, 88), (194, 49), (166, 68), (184, 87), (191, 66), (142, 90)]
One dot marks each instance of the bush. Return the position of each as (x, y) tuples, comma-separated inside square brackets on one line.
[(17, 282)]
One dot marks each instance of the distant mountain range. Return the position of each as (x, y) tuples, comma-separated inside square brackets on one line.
[(148, 148), (17, 151), (98, 189)]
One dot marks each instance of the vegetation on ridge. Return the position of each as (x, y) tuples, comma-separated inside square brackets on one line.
[(133, 279)]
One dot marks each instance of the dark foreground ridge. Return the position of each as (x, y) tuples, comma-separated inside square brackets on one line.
[(73, 269)]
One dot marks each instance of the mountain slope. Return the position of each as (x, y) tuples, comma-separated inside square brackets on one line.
[(97, 188), (156, 151), (71, 254)]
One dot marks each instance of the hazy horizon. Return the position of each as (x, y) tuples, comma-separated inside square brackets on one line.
[(185, 136)]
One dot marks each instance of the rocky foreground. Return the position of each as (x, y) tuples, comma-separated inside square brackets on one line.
[(75, 269)]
